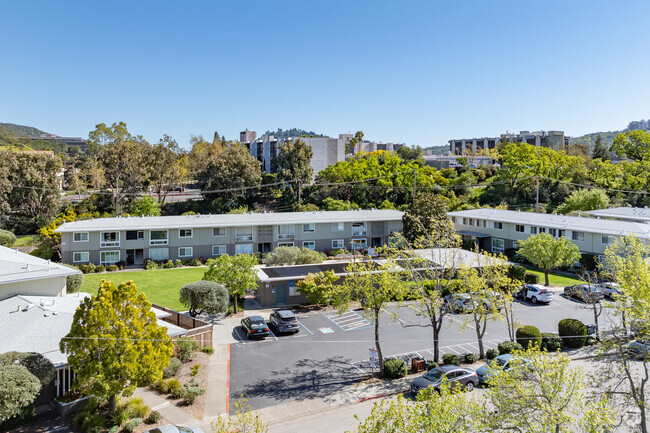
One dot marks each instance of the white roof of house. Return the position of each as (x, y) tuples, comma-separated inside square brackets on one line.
[(16, 266), (455, 258), (228, 220), (628, 213), (563, 222)]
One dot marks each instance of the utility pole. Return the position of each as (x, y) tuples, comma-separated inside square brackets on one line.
[(299, 190), (537, 194), (415, 181)]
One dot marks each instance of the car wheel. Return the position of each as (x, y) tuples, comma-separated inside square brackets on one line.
[(469, 386), (533, 300)]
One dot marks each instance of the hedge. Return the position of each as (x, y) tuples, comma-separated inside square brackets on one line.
[(518, 272), (450, 359), (394, 368), (531, 278), (508, 347), (551, 342), (573, 332), (529, 336), (7, 238), (491, 354)]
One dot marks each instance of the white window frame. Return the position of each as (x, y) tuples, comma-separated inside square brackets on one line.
[(244, 237), (115, 243), (497, 225), (465, 221), (357, 232), (342, 241), (103, 253), (86, 260), (533, 230), (74, 236), (552, 232), (285, 244), (515, 245), (338, 227), (219, 248), (355, 242), (218, 235), (165, 250), (309, 228), (139, 235), (518, 226), (180, 235), (610, 239), (577, 236), (244, 245), (159, 241), (496, 249), (305, 244), (186, 248), (485, 223)]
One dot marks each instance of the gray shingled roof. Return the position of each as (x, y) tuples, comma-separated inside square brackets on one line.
[(16, 266), (632, 213), (229, 220)]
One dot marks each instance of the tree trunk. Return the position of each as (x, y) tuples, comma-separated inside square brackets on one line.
[(111, 403), (546, 278), (236, 301), (596, 321), (479, 337), (378, 346), (436, 344)]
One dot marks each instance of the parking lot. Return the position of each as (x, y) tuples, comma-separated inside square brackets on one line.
[(330, 352)]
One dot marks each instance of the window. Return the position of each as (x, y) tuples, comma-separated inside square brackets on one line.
[(465, 221), (498, 225), (552, 232), (158, 237), (453, 219), (109, 257), (159, 253), (515, 245), (244, 234), (184, 233), (218, 250), (471, 221), (309, 228), (309, 244), (285, 231), (338, 244), (133, 235), (219, 231), (80, 257), (533, 230), (359, 229), (185, 252), (561, 233), (80, 237), (293, 291), (338, 227), (485, 223), (608, 240), (520, 228), (285, 244), (578, 236), (244, 249), (358, 244), (497, 245), (542, 229), (110, 239)]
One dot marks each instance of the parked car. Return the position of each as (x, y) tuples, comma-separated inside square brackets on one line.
[(505, 362), (175, 429), (284, 321), (535, 293), (611, 290), (639, 349), (456, 376), (255, 326), (584, 292), (459, 302), (489, 298)]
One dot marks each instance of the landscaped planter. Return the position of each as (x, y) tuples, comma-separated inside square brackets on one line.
[(64, 409)]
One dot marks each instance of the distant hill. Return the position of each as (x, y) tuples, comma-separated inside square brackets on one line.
[(23, 131), (438, 150), (293, 132), (608, 136)]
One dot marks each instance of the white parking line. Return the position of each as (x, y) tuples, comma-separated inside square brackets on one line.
[(453, 350), (238, 336), (301, 324), (273, 335)]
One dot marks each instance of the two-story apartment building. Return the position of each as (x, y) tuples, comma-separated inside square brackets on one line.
[(499, 230), (634, 214), (133, 239)]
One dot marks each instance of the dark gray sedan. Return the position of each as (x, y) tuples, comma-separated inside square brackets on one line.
[(456, 377)]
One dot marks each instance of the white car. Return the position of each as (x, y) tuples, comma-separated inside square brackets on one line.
[(611, 290), (535, 293)]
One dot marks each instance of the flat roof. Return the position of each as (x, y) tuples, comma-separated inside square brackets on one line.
[(16, 266), (228, 220), (627, 213), (563, 222)]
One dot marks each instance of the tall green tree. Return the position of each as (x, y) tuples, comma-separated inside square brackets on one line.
[(584, 200), (236, 272), (293, 165), (548, 253), (600, 150), (426, 221), (115, 343), (166, 170), (633, 144), (145, 206)]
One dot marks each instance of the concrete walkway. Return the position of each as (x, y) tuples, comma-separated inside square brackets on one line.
[(167, 409)]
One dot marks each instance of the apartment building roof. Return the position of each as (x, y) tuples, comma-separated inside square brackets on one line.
[(228, 220), (563, 222), (16, 266), (623, 213)]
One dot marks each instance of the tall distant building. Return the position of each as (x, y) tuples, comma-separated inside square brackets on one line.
[(553, 139)]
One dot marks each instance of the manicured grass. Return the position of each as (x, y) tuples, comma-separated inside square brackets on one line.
[(26, 241), (556, 279), (161, 286)]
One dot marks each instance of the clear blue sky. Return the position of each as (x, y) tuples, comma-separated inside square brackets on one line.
[(420, 72)]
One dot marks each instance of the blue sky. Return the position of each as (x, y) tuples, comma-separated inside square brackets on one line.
[(420, 72)]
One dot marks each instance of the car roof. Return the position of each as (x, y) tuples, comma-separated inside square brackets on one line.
[(285, 313), (448, 368), (505, 357), (256, 318)]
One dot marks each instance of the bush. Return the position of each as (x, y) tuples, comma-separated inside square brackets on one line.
[(194, 262), (551, 342), (207, 349), (573, 332), (35, 363), (508, 347), (87, 268), (112, 268), (450, 359), (114, 429), (531, 278), (491, 354), (89, 422), (470, 358), (186, 348), (73, 282), (518, 272), (195, 369), (189, 397), (99, 269), (173, 367), (7, 238), (135, 408), (308, 256), (394, 368), (293, 256), (167, 386), (529, 336), (204, 296), (120, 416), (131, 425), (430, 364), (178, 392), (153, 417), (151, 266), (19, 389), (121, 264)]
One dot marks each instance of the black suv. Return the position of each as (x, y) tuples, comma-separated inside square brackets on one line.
[(284, 321)]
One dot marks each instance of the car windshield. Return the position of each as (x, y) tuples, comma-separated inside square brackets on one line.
[(501, 362), (257, 325), (433, 375), (184, 430)]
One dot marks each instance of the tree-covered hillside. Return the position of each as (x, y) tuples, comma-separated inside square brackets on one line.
[(608, 136), (438, 150), (293, 132), (23, 131)]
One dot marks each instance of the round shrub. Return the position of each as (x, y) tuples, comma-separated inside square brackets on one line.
[(173, 367), (151, 266), (508, 347), (112, 268), (87, 268), (529, 336), (19, 389), (207, 349), (551, 342), (74, 282), (7, 238), (99, 269), (35, 363), (394, 368), (204, 297), (131, 425), (430, 364), (491, 354), (531, 278), (573, 332), (518, 272), (450, 359), (470, 358), (153, 417), (114, 429)]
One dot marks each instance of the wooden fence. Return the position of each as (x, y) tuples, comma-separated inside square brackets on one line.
[(197, 329)]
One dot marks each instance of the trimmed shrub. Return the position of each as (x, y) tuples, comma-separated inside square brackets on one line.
[(121, 264), (207, 349), (19, 389), (204, 297), (491, 354), (551, 342), (308, 256), (430, 364), (529, 336), (450, 359), (153, 417), (87, 268), (172, 369), (394, 368), (531, 278), (186, 348), (73, 282), (573, 332), (194, 262), (112, 268), (35, 363), (99, 269), (7, 238), (151, 266), (293, 256), (470, 358), (508, 347), (131, 425), (517, 272)]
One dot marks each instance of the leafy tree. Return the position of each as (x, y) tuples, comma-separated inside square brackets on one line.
[(204, 296), (293, 256), (330, 203), (7, 238), (548, 253), (236, 272), (579, 149), (244, 420), (633, 144), (115, 343), (37, 364), (600, 150), (166, 169), (408, 153), (145, 206), (293, 162), (19, 389), (202, 153), (318, 288), (426, 220), (351, 146), (584, 200)]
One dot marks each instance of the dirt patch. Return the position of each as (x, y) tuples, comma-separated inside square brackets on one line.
[(185, 375)]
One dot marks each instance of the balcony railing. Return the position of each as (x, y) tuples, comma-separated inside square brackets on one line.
[(285, 236), (359, 232), (244, 238)]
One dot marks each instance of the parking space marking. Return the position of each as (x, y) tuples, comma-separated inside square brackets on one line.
[(272, 334), (302, 324), (349, 321), (453, 350), (241, 340), (326, 330)]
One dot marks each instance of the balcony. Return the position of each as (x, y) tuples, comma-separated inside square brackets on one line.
[(358, 232), (244, 238), (285, 236)]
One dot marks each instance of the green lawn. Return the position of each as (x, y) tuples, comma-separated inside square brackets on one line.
[(556, 279), (160, 286)]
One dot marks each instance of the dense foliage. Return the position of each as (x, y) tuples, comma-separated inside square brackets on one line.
[(204, 297)]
